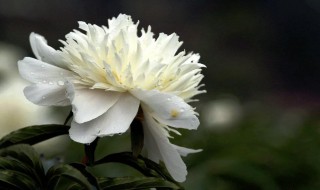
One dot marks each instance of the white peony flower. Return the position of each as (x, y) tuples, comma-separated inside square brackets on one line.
[(109, 74)]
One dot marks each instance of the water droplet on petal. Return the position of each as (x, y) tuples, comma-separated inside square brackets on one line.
[(44, 81), (169, 99), (51, 83), (182, 109), (60, 83)]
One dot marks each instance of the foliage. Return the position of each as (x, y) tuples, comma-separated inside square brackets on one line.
[(21, 167)]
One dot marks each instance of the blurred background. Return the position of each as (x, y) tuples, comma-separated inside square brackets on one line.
[(260, 122)]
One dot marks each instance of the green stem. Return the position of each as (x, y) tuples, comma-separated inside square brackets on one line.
[(68, 118), (89, 150)]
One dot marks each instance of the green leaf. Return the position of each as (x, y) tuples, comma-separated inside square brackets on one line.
[(145, 166), (33, 134), (27, 156), (128, 159), (162, 171), (73, 186), (131, 183), (9, 163), (137, 137), (66, 171), (15, 180), (82, 168)]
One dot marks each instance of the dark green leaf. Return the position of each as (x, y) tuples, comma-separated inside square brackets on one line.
[(82, 168), (66, 171), (128, 159), (27, 156), (66, 184), (8, 163), (131, 183), (33, 134), (145, 166), (162, 171), (15, 180), (73, 186), (137, 137)]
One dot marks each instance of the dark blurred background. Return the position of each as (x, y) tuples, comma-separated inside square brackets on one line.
[(260, 118)]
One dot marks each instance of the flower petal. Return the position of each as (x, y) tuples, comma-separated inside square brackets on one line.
[(168, 109), (159, 148), (44, 52), (47, 95), (82, 133), (37, 71), (89, 104), (120, 116), (116, 120), (185, 151)]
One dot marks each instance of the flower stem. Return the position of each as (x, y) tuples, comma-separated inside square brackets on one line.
[(89, 150), (137, 137), (68, 118)]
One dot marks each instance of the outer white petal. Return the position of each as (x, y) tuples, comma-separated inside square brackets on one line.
[(37, 71), (168, 109), (44, 52), (89, 104), (120, 116), (185, 151), (83, 133), (116, 120), (159, 148), (47, 95)]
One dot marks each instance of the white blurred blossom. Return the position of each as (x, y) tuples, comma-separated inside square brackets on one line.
[(221, 113)]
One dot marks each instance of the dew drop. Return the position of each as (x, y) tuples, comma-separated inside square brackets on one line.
[(182, 109), (51, 83), (44, 81), (169, 99), (60, 83)]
